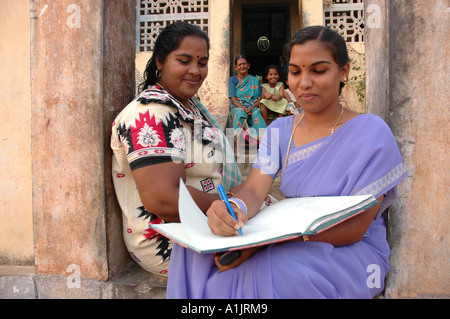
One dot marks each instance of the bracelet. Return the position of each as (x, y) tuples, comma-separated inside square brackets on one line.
[(239, 203)]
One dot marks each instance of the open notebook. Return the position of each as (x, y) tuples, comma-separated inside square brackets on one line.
[(286, 219)]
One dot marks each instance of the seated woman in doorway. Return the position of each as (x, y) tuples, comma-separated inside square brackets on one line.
[(244, 91), (163, 135), (327, 150)]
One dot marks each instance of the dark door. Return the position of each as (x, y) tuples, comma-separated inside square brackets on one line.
[(265, 31)]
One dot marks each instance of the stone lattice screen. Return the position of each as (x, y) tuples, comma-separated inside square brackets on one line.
[(155, 15), (345, 17)]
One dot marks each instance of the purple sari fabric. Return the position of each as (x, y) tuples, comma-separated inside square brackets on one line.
[(361, 157)]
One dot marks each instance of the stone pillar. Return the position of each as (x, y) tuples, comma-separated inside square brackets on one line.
[(419, 117), (82, 73), (377, 57), (118, 90)]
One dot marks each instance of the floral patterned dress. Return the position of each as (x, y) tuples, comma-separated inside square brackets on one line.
[(155, 128)]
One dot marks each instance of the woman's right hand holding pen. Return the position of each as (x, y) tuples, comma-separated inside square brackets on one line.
[(221, 222), (252, 193)]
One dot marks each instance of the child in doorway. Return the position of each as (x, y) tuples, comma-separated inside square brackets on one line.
[(273, 100)]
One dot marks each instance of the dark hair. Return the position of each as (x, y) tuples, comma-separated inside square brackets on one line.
[(240, 56), (272, 66), (169, 40), (332, 40)]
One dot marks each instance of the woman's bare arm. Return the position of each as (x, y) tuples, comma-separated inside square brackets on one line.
[(158, 187)]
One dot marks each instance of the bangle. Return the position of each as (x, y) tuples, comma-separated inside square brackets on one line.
[(239, 203), (230, 194)]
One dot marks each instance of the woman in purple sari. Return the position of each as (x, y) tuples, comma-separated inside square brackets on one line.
[(326, 150)]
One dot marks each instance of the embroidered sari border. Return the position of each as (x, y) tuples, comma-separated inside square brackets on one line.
[(380, 184), (302, 154)]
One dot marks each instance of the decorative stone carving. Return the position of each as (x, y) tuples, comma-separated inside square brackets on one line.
[(155, 15), (345, 17)]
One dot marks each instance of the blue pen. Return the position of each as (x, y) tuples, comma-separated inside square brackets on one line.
[(224, 197)]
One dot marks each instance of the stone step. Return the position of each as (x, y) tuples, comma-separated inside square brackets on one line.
[(133, 282), (137, 283)]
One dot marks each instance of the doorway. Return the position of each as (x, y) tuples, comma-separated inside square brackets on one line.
[(265, 31)]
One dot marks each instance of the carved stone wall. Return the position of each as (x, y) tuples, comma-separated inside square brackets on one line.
[(153, 16)]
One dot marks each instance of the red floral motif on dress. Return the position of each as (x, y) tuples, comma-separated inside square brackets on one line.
[(147, 133)]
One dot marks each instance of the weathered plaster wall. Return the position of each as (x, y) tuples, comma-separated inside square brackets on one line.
[(312, 12), (68, 159), (214, 91), (16, 227), (350, 97), (82, 73), (419, 117)]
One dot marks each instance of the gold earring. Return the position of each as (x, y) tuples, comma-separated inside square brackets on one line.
[(158, 73)]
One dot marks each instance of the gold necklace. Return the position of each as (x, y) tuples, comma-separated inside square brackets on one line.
[(339, 118), (292, 136), (289, 148)]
